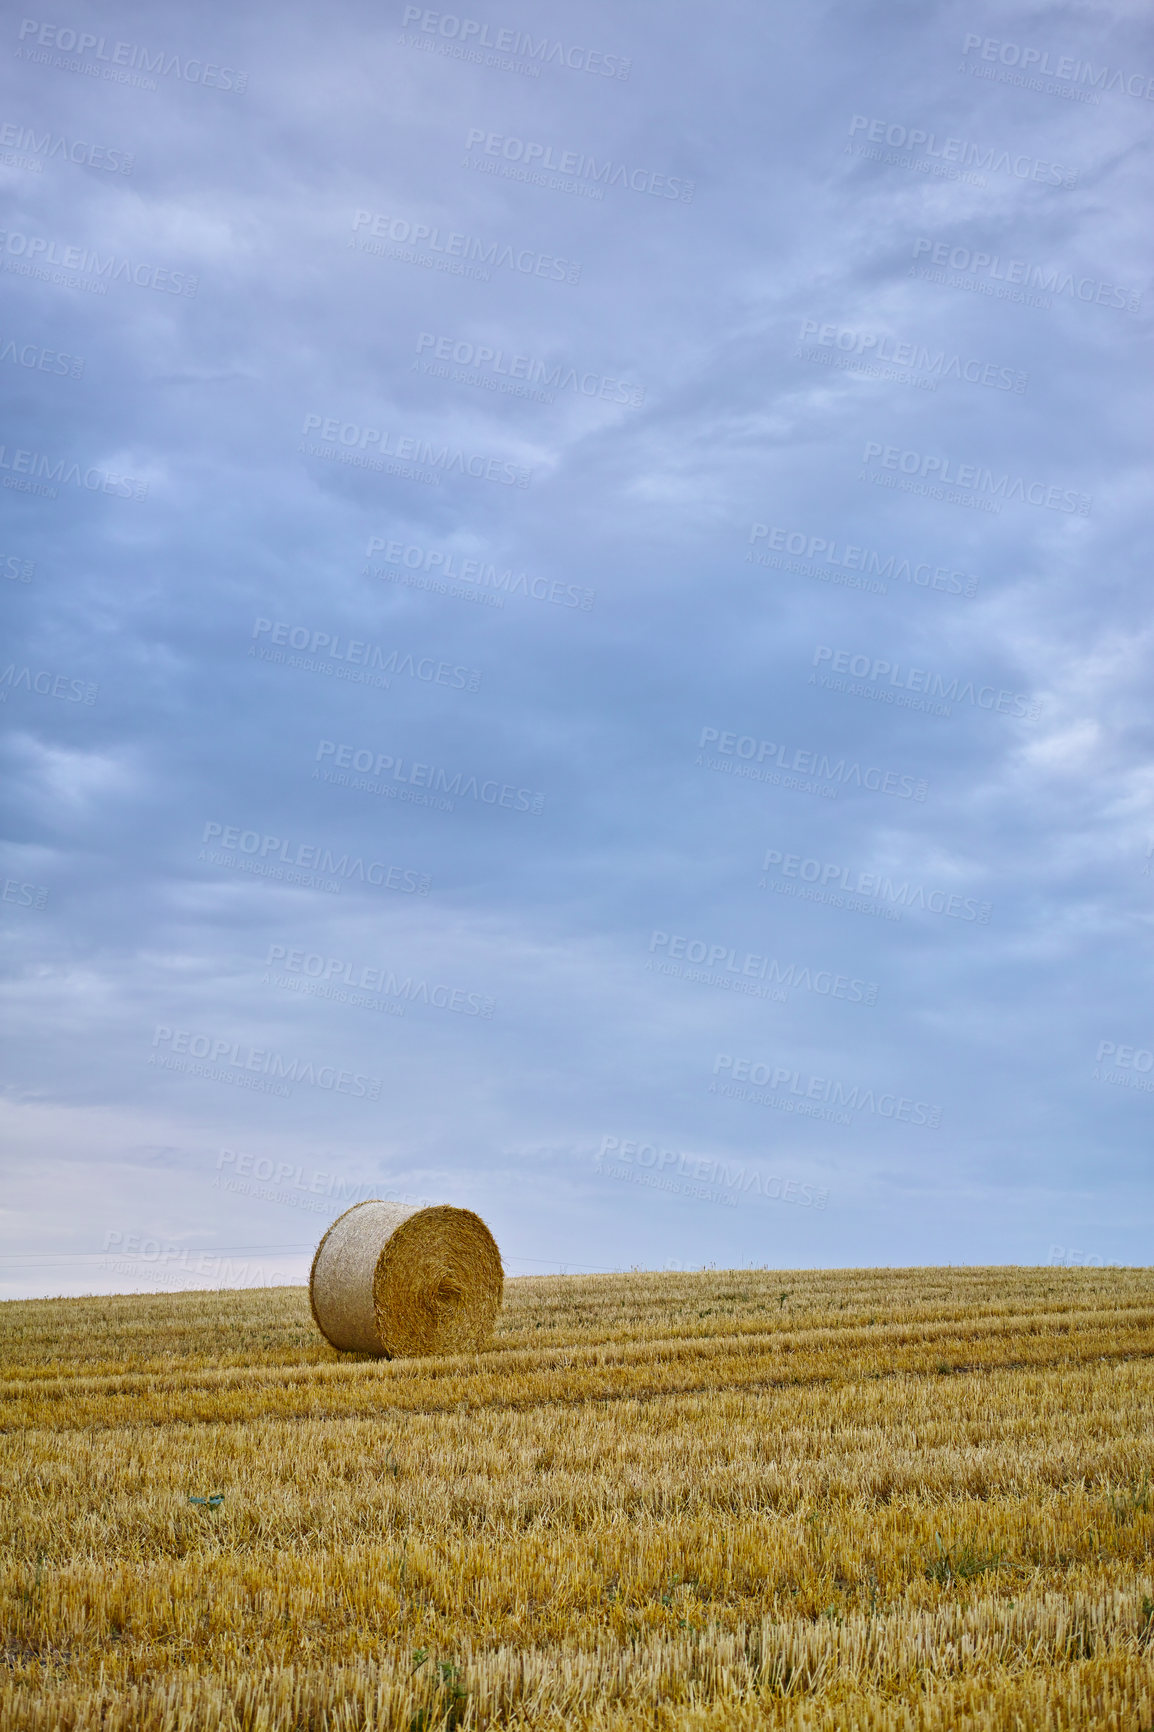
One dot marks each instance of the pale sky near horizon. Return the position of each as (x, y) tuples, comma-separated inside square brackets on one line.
[(578, 634)]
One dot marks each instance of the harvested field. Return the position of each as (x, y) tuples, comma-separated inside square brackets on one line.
[(845, 1499)]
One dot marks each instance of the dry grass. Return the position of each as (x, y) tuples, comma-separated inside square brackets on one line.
[(860, 1499)]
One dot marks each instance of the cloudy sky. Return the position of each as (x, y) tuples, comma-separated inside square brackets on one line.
[(578, 633)]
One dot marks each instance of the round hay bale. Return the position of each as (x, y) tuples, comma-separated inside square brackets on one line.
[(399, 1281)]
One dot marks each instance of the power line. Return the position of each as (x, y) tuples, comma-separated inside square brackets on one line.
[(184, 1250), (40, 1258)]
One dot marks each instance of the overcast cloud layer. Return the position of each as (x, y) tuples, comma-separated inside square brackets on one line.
[(579, 633)]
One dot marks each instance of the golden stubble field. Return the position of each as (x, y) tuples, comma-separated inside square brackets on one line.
[(873, 1499)]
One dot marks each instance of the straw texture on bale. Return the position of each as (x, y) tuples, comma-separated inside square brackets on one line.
[(400, 1281)]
